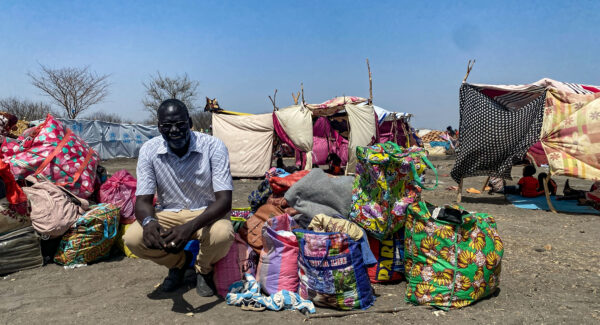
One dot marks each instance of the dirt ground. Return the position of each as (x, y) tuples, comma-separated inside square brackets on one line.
[(550, 274)]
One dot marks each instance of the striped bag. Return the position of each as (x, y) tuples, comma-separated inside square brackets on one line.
[(91, 237)]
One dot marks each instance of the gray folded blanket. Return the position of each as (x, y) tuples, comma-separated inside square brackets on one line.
[(318, 193)]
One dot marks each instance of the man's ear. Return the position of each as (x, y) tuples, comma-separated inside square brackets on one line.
[(191, 123)]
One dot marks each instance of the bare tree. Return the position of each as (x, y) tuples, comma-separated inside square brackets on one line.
[(73, 89), (25, 109), (162, 87)]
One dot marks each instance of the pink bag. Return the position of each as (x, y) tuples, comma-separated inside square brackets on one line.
[(55, 152), (278, 265), (53, 208), (231, 268), (119, 190)]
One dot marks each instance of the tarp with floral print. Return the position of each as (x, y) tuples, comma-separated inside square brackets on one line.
[(571, 134)]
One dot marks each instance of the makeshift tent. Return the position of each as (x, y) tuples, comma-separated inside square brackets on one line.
[(111, 140), (394, 127), (358, 119), (338, 126), (249, 140), (499, 124)]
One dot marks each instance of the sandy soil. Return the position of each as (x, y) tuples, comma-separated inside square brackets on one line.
[(550, 274)]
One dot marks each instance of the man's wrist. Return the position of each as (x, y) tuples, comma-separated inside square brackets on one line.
[(148, 220)]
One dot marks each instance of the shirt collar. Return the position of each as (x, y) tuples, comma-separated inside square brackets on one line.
[(194, 146)]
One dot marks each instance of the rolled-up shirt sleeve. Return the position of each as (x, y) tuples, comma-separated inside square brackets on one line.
[(219, 164), (146, 178)]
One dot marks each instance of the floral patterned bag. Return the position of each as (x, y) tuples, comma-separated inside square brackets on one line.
[(388, 179), (452, 257)]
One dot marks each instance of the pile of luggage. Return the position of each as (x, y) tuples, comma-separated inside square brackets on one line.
[(328, 238), (50, 181)]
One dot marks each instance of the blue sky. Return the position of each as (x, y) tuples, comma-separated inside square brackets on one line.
[(240, 51)]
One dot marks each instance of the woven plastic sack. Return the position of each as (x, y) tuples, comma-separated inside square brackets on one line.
[(453, 257), (278, 264), (227, 270), (91, 237), (56, 152), (390, 258), (388, 179), (119, 190), (332, 271)]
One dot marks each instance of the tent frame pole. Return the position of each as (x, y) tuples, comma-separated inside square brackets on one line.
[(547, 193), (485, 184)]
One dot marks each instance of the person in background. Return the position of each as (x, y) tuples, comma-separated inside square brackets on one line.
[(335, 164), (551, 183), (528, 185)]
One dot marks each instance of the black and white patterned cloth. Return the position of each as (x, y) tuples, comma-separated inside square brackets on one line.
[(492, 138)]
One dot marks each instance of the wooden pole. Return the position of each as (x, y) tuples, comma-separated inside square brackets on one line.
[(302, 90), (459, 195), (370, 84), (357, 312), (295, 97), (469, 67), (547, 193), (485, 184), (273, 101)]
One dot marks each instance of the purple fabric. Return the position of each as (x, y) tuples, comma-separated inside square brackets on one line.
[(385, 133), (322, 147)]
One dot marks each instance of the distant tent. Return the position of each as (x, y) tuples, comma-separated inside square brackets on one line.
[(337, 126), (549, 119), (111, 140)]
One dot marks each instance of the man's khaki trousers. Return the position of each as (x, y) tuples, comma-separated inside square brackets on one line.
[(215, 241)]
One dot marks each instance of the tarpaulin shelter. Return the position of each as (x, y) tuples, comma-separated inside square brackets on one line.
[(394, 126), (358, 120), (111, 140), (338, 126), (500, 124), (249, 140)]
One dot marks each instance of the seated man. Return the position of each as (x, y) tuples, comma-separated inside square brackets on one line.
[(190, 173)]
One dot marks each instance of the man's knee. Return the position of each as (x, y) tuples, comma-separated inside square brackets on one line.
[(222, 232), (134, 237)]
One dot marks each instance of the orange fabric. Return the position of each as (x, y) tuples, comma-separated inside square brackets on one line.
[(251, 232), (529, 186), (281, 184)]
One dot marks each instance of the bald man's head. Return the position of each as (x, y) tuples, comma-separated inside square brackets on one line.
[(171, 106)]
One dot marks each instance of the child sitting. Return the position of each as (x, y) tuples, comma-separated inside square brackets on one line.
[(551, 183), (335, 163), (528, 185)]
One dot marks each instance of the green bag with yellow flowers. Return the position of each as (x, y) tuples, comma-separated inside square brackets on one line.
[(452, 257)]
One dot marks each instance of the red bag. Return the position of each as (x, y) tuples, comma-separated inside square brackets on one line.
[(390, 258), (119, 190), (281, 184), (56, 152)]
